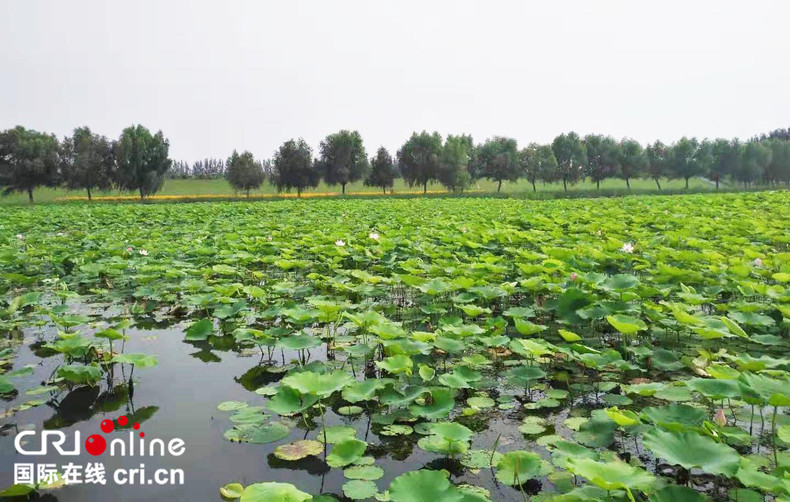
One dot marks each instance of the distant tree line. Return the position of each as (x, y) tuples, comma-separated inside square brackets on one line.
[(138, 161)]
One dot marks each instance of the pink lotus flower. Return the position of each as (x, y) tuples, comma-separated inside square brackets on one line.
[(627, 248), (574, 276), (129, 249), (720, 419), (374, 236), (758, 262)]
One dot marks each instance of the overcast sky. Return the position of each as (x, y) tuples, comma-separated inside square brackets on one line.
[(219, 75)]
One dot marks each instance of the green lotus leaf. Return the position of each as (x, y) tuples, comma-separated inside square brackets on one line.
[(358, 489), (396, 364), (274, 492), (773, 391), (623, 418), (426, 373), (231, 491), (676, 417), (396, 430), (200, 330), (528, 328), (362, 391), (299, 342), (337, 433), (691, 450), (258, 433), (438, 444), (322, 385), (231, 405), (346, 452), (137, 360), (480, 402), (480, 459), (569, 336), (518, 467), (366, 472), (626, 325), (298, 449), (424, 486), (714, 389), (288, 401), (613, 475), (79, 374), (675, 493), (439, 405)]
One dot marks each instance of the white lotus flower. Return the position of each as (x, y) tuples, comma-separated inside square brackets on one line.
[(143, 252), (269, 238), (627, 248), (20, 236), (340, 243), (758, 262), (374, 236)]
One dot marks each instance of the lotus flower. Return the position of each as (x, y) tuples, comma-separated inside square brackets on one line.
[(719, 419), (574, 276), (129, 249), (758, 262), (143, 252), (627, 248), (340, 242), (463, 230), (269, 238), (20, 236), (598, 232), (374, 236)]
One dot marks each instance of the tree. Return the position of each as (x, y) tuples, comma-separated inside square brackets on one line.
[(688, 158), (755, 159), (657, 162), (179, 169), (209, 169), (343, 158), (87, 161), (382, 172), (294, 167), (142, 160), (725, 156), (499, 160), (28, 159), (418, 158), (538, 163), (778, 170), (571, 157), (244, 172), (603, 156), (632, 160), (453, 171)]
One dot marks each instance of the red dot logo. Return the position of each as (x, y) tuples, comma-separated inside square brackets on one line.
[(136, 426), (95, 445), (122, 420), (107, 426), (142, 434)]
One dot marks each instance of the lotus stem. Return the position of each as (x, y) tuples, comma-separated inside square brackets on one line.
[(773, 436)]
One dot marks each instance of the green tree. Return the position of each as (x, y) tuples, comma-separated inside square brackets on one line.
[(244, 172), (689, 158), (499, 160), (633, 160), (725, 156), (87, 161), (382, 172), (294, 167), (657, 162), (142, 160), (538, 163), (453, 171), (571, 157), (603, 156), (755, 159), (28, 159), (418, 158), (343, 158), (778, 170)]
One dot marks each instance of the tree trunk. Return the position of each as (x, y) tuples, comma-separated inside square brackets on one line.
[(248, 193), (298, 191), (89, 193), (141, 194), (658, 184), (687, 183), (425, 187), (384, 190), (344, 188), (533, 187), (717, 183), (30, 195), (628, 183), (597, 184), (499, 187), (564, 184)]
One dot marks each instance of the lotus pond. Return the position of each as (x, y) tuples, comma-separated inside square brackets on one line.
[(442, 350)]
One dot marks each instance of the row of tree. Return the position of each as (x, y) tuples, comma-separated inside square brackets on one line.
[(138, 161)]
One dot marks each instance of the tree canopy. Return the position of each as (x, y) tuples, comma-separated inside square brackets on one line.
[(343, 158), (294, 167), (499, 160), (88, 161), (419, 158), (28, 159), (244, 172), (142, 160)]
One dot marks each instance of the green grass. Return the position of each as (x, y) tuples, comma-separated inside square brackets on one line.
[(221, 187)]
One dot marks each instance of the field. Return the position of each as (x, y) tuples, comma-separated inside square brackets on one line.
[(220, 187), (423, 349)]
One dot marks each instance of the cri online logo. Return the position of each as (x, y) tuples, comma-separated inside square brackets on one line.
[(96, 445)]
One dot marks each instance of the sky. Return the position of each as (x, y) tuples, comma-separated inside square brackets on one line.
[(221, 75)]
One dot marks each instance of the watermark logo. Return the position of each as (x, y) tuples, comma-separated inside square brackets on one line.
[(132, 445)]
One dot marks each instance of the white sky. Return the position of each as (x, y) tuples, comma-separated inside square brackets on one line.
[(219, 75)]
